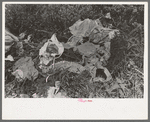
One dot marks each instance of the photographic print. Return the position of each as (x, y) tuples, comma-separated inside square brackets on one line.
[(90, 55), (74, 50)]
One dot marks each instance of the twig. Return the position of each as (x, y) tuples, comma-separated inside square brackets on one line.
[(31, 45), (134, 30), (134, 88), (53, 62), (139, 71), (43, 31), (23, 83), (70, 38)]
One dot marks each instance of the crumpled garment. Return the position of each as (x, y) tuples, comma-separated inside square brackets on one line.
[(86, 27), (50, 50), (83, 28), (92, 29), (24, 68)]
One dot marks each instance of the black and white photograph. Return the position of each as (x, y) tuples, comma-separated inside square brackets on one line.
[(76, 51)]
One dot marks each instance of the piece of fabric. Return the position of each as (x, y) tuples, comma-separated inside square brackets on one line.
[(50, 50)]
